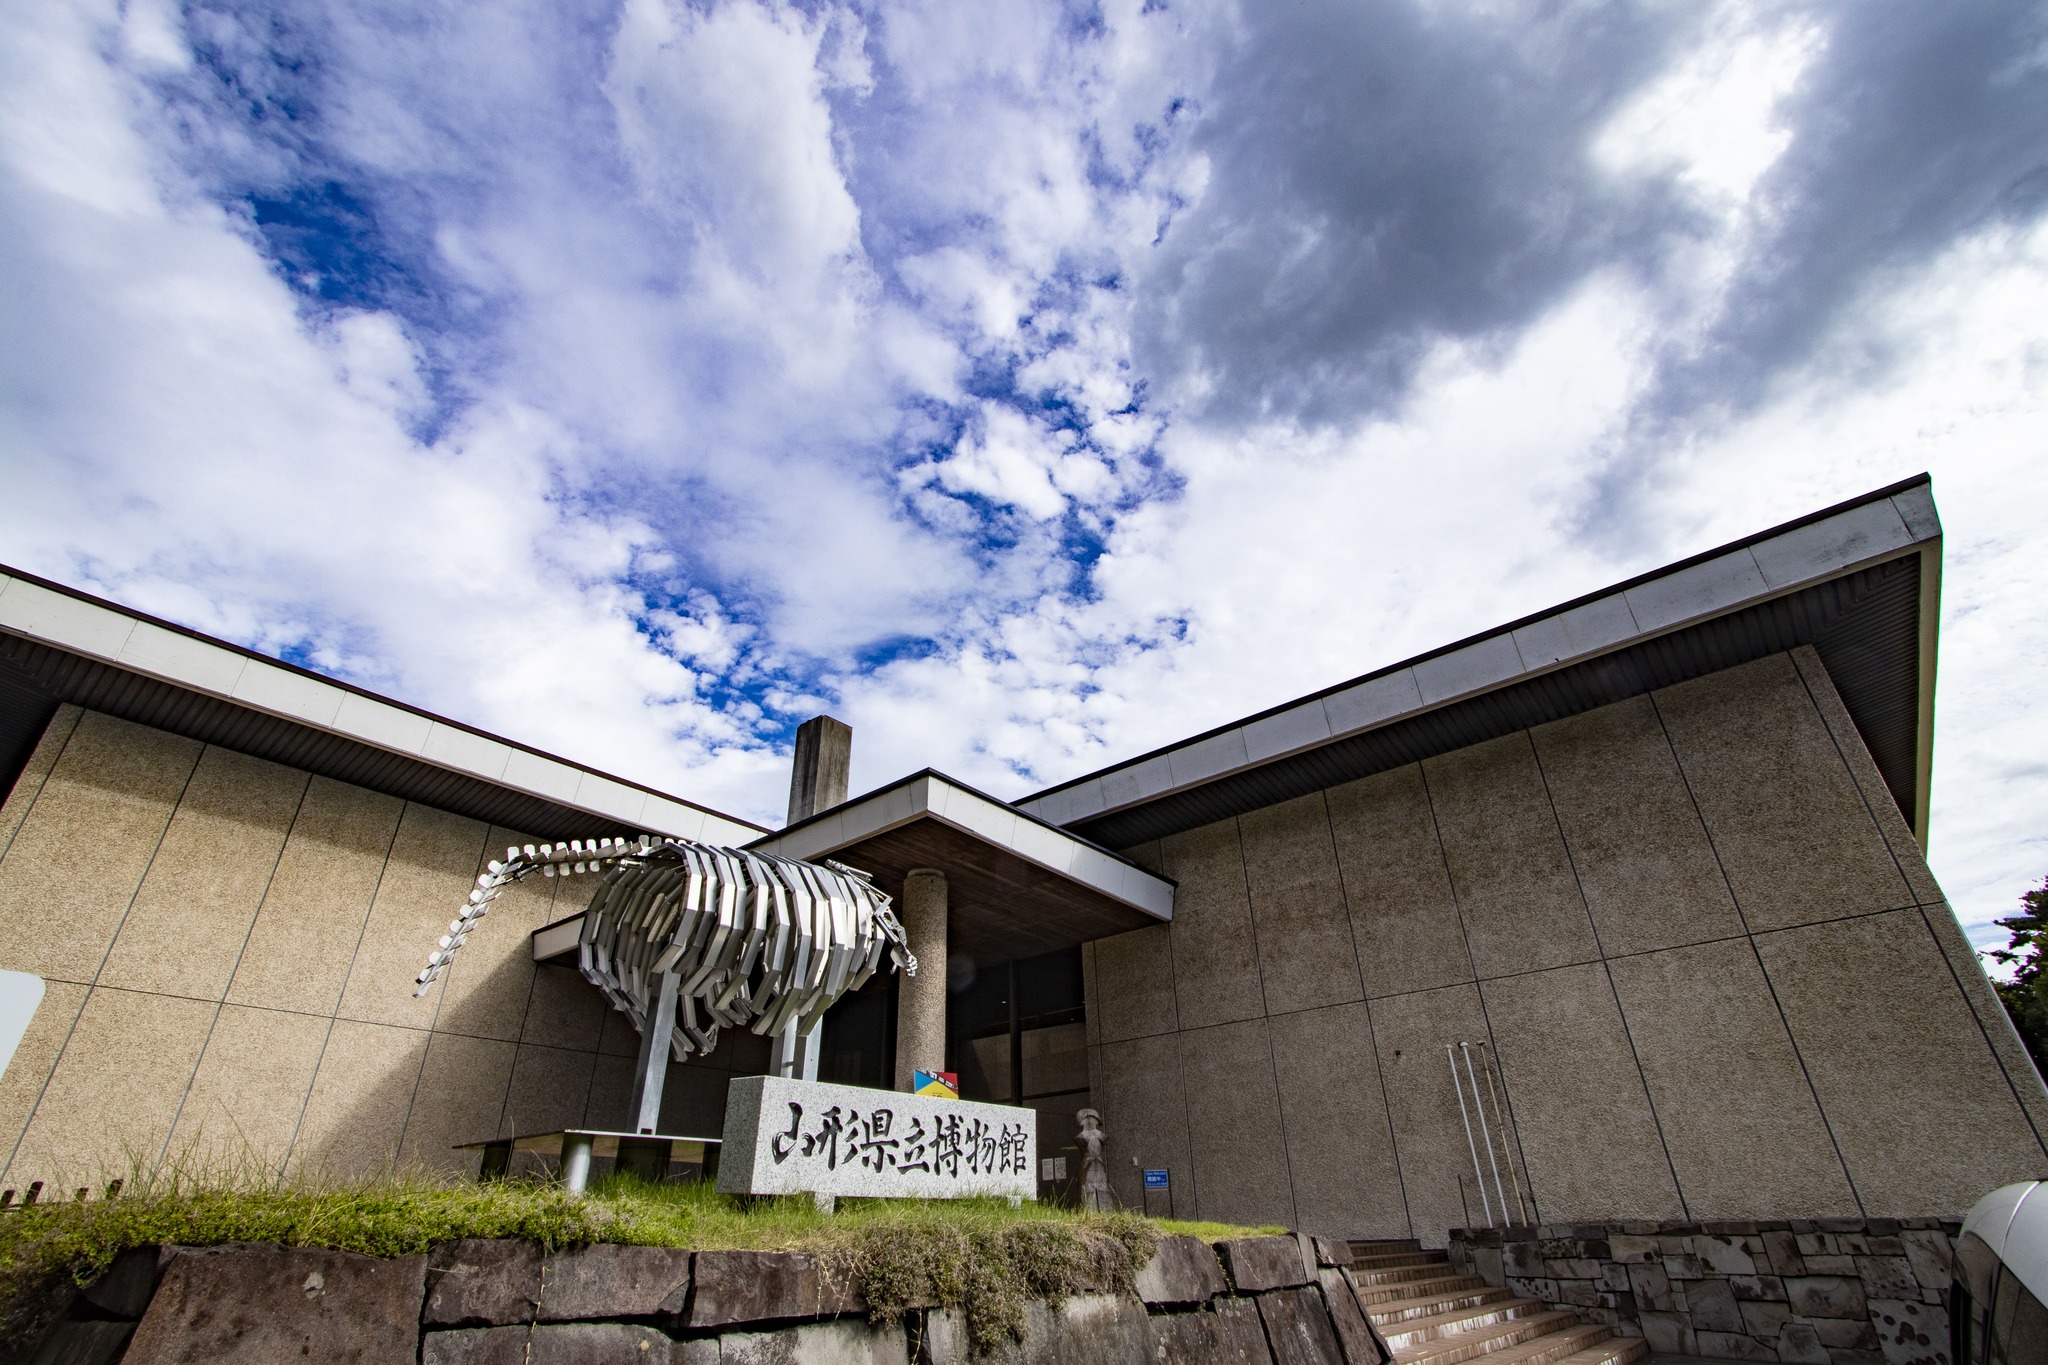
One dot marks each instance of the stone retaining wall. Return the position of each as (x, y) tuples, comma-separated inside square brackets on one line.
[(1829, 1291), (1255, 1301)]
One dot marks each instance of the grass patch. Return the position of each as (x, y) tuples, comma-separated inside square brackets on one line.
[(980, 1256)]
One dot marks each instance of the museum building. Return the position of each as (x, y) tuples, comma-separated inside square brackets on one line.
[(1615, 912)]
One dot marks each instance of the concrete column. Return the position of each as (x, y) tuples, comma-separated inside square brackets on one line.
[(819, 768), (921, 999)]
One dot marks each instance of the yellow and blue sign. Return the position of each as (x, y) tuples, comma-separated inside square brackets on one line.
[(940, 1085)]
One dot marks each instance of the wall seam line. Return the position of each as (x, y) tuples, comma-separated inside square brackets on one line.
[(376, 887), (108, 952), (433, 1021), (505, 1114), (1956, 976), (44, 780), (1371, 1033), (228, 985), (1180, 1071), (1621, 1011), (1485, 1016), (1749, 933), (1244, 875)]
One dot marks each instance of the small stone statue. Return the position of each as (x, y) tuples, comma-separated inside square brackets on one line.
[(1095, 1195)]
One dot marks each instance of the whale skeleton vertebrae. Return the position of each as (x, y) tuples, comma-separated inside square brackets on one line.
[(751, 941)]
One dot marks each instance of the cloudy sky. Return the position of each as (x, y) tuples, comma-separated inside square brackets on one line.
[(1029, 384)]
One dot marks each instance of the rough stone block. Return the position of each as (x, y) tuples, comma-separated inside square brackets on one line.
[(1634, 1250), (1725, 1256), (1798, 1344), (1831, 1265), (82, 1343), (129, 1284), (1522, 1258), (1929, 1253), (614, 1282), (1910, 1333), (1685, 1266), (1783, 1249), (572, 1343), (1256, 1264), (1333, 1251), (1230, 1334), (1887, 1277), (1712, 1306), (1578, 1293), (766, 1286), (1669, 1333), (1182, 1270), (1727, 1346), (1298, 1326), (1827, 1296), (1765, 1287), (1354, 1332), (1651, 1287), (480, 1283), (475, 1346), (1765, 1320), (1844, 1334), (264, 1304), (821, 1343)]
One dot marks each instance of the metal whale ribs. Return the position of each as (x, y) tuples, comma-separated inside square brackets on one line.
[(711, 937)]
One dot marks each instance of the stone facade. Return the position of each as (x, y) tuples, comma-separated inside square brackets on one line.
[(1834, 1291), (228, 947), (508, 1303), (1693, 926)]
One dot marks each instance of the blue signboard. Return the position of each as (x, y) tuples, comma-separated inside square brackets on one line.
[(1155, 1180)]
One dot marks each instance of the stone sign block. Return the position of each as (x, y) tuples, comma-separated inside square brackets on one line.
[(767, 1286), (1259, 1263), (787, 1136), (263, 1304), (1182, 1270)]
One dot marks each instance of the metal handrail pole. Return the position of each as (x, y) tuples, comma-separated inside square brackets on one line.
[(1515, 1175), (1480, 1102), (1451, 1056)]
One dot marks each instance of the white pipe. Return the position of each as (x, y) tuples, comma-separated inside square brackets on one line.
[(1480, 1101), (1451, 1056)]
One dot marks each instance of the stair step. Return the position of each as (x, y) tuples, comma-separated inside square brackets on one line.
[(1411, 1291), (1399, 1258), (1613, 1351), (1458, 1321), (1403, 1274), (1384, 1245), (1390, 1316), (1547, 1337)]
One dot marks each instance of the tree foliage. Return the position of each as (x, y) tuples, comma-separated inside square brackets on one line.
[(2026, 995)]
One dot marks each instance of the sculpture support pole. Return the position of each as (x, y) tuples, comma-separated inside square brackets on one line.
[(921, 999), (653, 1073), (795, 1055)]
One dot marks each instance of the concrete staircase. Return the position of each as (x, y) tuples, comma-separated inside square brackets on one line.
[(1431, 1315)]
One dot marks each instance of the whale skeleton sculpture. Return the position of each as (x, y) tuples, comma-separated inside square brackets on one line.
[(686, 939)]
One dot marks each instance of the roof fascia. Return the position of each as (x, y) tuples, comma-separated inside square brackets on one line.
[(1830, 543), (934, 796), (67, 619)]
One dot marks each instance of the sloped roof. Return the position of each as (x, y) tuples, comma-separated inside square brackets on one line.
[(1859, 581)]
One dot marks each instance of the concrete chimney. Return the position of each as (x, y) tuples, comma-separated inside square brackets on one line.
[(817, 776)]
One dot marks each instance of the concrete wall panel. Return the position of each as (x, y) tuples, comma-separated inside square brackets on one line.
[(361, 1096), (115, 1090), (42, 760), (1409, 1033), (305, 935), (1577, 1098), (21, 1086), (563, 1011), (433, 865), (461, 1099), (1215, 956), (611, 1092), (1963, 962), (1235, 1136), (185, 931), (1306, 956), (550, 1089), (249, 1090), (1923, 1114), (1134, 984), (1515, 889), (1791, 829), (1636, 842), (1138, 1089), (1340, 1146), (1739, 1117), (81, 852), (485, 993), (1403, 914)]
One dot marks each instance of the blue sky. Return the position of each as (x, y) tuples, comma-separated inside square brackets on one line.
[(1029, 384)]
